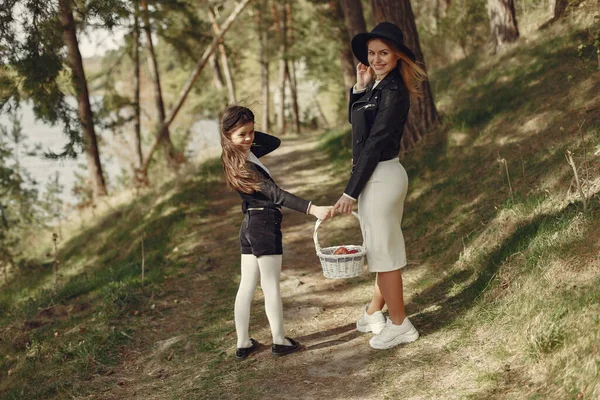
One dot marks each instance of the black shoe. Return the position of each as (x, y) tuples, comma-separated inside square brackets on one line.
[(243, 352), (282, 349)]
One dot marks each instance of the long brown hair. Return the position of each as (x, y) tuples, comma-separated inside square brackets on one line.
[(412, 73), (238, 174)]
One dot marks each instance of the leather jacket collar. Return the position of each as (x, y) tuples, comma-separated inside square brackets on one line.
[(393, 76)]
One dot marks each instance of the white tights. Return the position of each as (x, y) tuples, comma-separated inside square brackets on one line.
[(268, 268)]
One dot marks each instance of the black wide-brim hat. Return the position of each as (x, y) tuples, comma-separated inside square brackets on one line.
[(383, 30)]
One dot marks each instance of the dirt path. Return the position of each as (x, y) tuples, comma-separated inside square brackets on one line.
[(174, 354)]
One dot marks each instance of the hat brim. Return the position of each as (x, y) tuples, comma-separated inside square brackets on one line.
[(359, 46)]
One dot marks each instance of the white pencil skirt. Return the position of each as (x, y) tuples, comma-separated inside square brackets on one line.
[(380, 206)]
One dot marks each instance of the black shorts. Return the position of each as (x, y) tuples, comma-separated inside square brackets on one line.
[(260, 233)]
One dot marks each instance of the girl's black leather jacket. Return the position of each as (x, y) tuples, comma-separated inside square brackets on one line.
[(378, 117), (270, 195)]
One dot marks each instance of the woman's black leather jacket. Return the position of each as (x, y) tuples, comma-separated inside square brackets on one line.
[(378, 117)]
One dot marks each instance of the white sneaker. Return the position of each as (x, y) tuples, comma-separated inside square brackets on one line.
[(393, 335), (370, 323)]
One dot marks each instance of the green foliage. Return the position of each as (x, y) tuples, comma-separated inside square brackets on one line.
[(34, 63), (466, 25), (51, 201), (18, 194), (178, 23), (338, 145), (463, 25), (589, 48)]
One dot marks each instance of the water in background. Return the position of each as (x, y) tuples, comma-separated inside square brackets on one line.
[(203, 143)]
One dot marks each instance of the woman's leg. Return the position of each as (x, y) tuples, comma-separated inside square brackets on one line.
[(270, 271), (390, 284), (377, 302), (243, 300)]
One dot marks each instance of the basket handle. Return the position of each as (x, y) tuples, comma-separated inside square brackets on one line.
[(318, 223)]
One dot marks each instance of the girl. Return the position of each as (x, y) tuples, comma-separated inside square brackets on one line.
[(260, 234), (379, 102)]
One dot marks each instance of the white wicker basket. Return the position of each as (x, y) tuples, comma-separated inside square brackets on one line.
[(338, 266)]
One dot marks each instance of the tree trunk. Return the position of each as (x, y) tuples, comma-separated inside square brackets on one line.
[(136, 85), (291, 68), (503, 22), (347, 60), (217, 75), (423, 115), (263, 36), (348, 63), (86, 117), (224, 59), (354, 20), (187, 87), (281, 26), (558, 10), (165, 138)]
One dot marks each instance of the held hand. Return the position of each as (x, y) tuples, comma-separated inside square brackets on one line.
[(320, 212), (344, 205), (364, 75)]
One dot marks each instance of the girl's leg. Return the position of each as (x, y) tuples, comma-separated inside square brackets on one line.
[(390, 285), (270, 271), (377, 302), (243, 300)]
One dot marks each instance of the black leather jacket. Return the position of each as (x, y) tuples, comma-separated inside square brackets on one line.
[(377, 117), (270, 195)]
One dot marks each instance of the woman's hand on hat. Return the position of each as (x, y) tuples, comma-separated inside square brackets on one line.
[(343, 205), (364, 75)]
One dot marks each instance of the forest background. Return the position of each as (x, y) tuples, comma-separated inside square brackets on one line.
[(513, 92)]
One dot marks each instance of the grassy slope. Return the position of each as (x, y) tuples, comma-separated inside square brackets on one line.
[(54, 340), (504, 289), (515, 277), (512, 280)]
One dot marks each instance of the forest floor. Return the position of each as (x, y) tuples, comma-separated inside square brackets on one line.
[(320, 313), (337, 361)]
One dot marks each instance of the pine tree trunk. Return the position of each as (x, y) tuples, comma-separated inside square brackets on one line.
[(280, 23), (503, 22), (217, 75), (84, 108), (263, 60), (558, 8), (354, 20), (165, 139), (136, 85), (423, 115), (224, 59), (347, 60), (291, 69)]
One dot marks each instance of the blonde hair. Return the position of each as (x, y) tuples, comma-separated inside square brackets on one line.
[(238, 175), (412, 73)]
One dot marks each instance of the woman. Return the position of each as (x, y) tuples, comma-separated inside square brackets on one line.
[(379, 102)]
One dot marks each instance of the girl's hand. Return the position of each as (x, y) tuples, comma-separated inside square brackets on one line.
[(343, 205), (319, 211), (364, 75)]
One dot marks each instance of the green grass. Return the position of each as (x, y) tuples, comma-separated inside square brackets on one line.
[(337, 144), (508, 266), (101, 267)]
